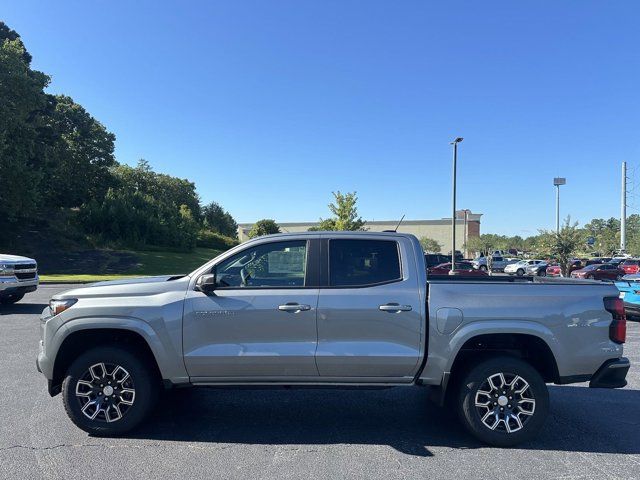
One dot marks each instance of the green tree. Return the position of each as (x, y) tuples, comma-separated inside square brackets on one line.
[(562, 245), (217, 219), (430, 245), (345, 214), (144, 208), (487, 242), (79, 152), (265, 226), (22, 101)]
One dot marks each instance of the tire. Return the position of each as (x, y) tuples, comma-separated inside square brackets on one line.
[(520, 426), (542, 273), (483, 268), (11, 299), (520, 272), (131, 395), (589, 277)]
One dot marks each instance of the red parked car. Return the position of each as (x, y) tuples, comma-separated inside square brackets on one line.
[(462, 268), (599, 272), (554, 270), (631, 266)]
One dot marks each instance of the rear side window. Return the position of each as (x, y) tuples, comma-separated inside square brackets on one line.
[(358, 263)]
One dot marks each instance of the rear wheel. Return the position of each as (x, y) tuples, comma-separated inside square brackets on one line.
[(503, 401), (520, 272), (11, 299), (109, 391)]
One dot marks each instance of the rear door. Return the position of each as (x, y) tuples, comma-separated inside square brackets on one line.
[(369, 310)]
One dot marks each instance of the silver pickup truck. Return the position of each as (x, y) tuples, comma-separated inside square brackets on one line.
[(332, 309)]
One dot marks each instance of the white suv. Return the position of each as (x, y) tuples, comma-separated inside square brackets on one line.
[(520, 268)]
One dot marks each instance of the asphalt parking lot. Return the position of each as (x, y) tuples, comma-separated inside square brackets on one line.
[(210, 433)]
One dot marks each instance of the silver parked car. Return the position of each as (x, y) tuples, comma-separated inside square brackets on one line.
[(498, 264), (520, 268)]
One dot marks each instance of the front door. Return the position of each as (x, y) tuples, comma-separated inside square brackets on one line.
[(260, 321), (369, 311)]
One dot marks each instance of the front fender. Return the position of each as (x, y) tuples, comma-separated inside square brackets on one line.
[(166, 350)]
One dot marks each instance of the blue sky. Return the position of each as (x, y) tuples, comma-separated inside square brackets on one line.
[(271, 105)]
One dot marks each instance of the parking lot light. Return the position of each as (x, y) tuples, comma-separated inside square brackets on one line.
[(453, 216)]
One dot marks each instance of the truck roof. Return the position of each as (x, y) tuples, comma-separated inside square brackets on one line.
[(337, 233)]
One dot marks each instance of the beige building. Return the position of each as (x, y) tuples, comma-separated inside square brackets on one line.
[(438, 230)]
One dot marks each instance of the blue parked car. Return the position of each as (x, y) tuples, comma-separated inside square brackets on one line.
[(629, 287)]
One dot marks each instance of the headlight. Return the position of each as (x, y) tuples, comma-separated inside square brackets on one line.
[(6, 269), (59, 306)]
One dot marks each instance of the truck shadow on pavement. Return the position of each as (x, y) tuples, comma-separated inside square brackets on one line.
[(582, 419), (22, 308)]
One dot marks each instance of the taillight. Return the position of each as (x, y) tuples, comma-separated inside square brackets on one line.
[(618, 327)]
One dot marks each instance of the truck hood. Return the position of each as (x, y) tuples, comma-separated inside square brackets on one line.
[(129, 281), (130, 287), (5, 258)]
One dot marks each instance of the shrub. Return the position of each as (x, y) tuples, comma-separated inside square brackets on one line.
[(209, 239)]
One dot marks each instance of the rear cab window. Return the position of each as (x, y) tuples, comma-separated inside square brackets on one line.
[(362, 263)]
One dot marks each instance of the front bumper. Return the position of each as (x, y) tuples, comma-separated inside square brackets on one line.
[(612, 374), (17, 290)]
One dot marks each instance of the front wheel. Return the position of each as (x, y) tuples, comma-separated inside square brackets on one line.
[(503, 401), (520, 272), (483, 268), (109, 391)]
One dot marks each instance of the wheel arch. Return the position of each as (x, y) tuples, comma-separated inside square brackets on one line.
[(527, 346), (83, 337), (482, 340)]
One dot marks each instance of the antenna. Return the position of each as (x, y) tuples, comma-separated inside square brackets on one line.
[(396, 229)]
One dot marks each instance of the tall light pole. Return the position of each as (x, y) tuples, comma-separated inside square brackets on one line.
[(453, 201), (623, 211), (466, 231), (557, 182)]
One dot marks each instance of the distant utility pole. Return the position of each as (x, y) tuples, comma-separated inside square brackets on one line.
[(453, 201), (557, 182), (623, 210)]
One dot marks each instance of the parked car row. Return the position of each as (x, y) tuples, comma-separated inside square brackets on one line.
[(599, 268)]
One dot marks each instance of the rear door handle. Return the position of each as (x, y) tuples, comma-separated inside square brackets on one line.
[(395, 308), (293, 307)]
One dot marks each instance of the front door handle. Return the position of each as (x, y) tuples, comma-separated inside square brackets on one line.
[(395, 308), (293, 307)]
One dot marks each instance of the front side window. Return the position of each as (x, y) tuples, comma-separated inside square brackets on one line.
[(354, 263), (270, 265)]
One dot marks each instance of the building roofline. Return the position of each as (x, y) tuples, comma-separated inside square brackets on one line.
[(444, 221)]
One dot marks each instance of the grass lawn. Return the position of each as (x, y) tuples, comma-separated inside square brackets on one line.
[(150, 262)]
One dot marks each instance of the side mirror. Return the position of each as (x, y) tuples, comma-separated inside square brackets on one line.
[(206, 283)]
